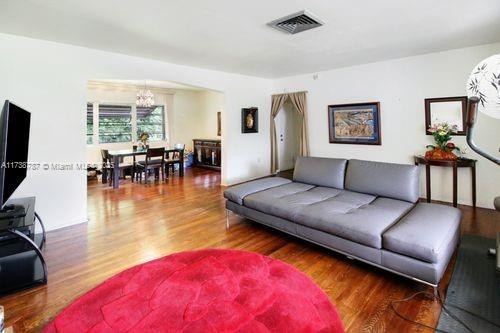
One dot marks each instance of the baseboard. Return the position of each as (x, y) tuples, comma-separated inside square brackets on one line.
[(246, 181), (64, 225)]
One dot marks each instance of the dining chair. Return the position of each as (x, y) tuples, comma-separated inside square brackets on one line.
[(108, 169), (173, 157), (155, 160)]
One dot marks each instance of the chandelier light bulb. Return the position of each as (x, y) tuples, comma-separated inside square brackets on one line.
[(145, 98)]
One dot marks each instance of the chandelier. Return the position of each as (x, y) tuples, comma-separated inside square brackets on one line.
[(145, 98)]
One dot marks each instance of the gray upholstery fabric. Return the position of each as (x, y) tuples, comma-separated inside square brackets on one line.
[(329, 172), (364, 222), (396, 181), (426, 271), (374, 218), (340, 244), (413, 267), (322, 238), (238, 192), (266, 219), (286, 200), (424, 233), (429, 272)]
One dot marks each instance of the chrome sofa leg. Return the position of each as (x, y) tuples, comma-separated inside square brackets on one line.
[(436, 291), (227, 218)]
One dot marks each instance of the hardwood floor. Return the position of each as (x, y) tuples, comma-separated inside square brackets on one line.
[(138, 223)]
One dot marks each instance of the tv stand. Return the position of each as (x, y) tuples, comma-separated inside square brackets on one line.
[(8, 208), (22, 264)]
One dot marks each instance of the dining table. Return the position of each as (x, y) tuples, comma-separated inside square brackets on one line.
[(117, 155)]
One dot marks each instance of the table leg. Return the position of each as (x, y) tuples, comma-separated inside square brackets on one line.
[(473, 170), (104, 174), (116, 171), (455, 186), (428, 182), (181, 167)]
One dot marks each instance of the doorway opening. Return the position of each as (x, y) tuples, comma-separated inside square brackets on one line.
[(184, 120), (288, 131)]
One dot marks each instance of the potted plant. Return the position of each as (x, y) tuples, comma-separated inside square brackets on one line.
[(443, 149), (144, 140)]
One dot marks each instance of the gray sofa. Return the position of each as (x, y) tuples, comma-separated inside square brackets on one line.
[(363, 209)]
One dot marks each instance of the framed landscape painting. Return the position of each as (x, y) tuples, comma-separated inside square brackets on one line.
[(355, 123)]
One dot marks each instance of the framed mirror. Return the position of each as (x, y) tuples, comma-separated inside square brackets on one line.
[(451, 110)]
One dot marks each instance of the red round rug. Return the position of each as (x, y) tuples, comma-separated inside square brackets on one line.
[(203, 291)]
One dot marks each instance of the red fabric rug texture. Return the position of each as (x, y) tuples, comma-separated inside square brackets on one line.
[(203, 291)]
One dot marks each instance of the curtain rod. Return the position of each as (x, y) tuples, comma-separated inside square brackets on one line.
[(290, 93)]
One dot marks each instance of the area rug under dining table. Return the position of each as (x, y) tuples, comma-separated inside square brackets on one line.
[(203, 291)]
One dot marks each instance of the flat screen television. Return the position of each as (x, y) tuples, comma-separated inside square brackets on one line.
[(14, 141)]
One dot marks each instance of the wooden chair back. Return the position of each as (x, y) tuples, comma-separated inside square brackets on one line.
[(105, 155), (106, 159), (155, 152), (174, 154)]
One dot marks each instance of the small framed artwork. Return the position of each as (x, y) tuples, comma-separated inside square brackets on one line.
[(451, 110), (250, 120), (219, 124), (355, 123)]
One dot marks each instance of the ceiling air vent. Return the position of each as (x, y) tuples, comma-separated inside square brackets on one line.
[(297, 22)]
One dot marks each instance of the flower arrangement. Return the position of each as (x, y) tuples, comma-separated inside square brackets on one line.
[(143, 142), (188, 152), (442, 150), (144, 138)]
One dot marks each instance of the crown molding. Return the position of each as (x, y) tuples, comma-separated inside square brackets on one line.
[(127, 87)]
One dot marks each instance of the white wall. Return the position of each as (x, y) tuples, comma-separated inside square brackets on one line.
[(50, 80), (401, 86), (212, 102), (194, 115)]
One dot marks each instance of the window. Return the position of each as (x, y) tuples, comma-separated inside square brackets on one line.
[(151, 120), (90, 124), (115, 123)]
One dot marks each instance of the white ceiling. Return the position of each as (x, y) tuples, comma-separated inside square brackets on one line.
[(232, 35)]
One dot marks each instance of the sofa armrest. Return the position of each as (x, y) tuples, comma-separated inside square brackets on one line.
[(238, 192)]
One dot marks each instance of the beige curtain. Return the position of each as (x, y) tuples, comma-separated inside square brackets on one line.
[(299, 101), (276, 105)]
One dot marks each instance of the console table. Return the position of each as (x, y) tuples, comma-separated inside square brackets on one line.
[(207, 153), (458, 163), (21, 260)]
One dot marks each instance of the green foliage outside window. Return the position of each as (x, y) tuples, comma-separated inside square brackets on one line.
[(115, 123), (152, 121), (90, 124)]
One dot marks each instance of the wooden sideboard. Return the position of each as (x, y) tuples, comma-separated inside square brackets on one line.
[(207, 153)]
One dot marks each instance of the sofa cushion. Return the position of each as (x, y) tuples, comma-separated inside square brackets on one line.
[(355, 216), (329, 172), (396, 181), (238, 192), (285, 201), (425, 233)]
